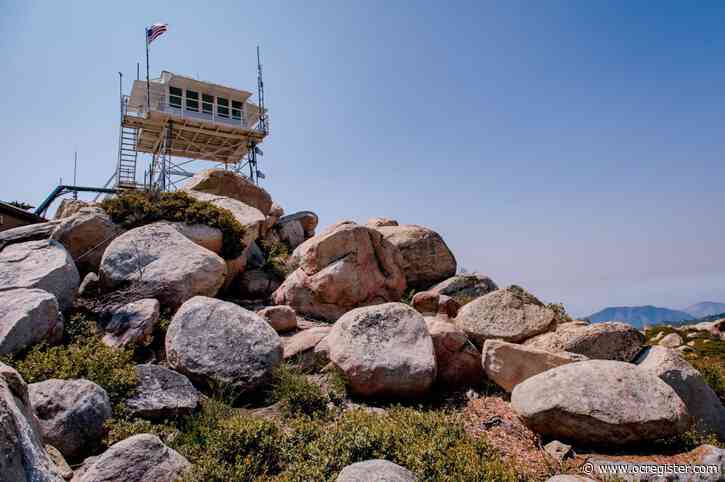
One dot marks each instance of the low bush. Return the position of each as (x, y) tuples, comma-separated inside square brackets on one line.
[(296, 394), (276, 256), (132, 209), (85, 356)]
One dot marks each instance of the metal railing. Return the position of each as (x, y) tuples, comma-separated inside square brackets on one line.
[(159, 103)]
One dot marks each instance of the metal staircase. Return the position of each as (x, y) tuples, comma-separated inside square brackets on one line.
[(127, 157)]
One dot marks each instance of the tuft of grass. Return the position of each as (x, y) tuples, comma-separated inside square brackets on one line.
[(132, 209)]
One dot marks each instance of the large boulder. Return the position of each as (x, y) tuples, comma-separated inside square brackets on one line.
[(40, 264), (702, 402), (256, 284), (281, 318), (509, 364), (203, 235), (510, 314), (27, 317), (672, 340), (465, 286), (384, 350), (343, 268), (299, 348), (140, 458), (250, 218), (376, 470), (23, 457), (72, 414), (295, 228), (600, 402), (426, 257), (457, 359), (68, 207), (432, 303), (162, 393), (217, 342), (132, 323), (602, 341), (221, 182), (86, 235), (170, 266)]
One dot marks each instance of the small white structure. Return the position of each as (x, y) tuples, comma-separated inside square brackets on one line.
[(187, 118)]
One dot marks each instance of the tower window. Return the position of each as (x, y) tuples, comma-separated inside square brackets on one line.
[(175, 97), (222, 107), (207, 103), (236, 110), (192, 100)]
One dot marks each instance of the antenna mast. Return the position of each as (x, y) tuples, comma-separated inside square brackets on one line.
[(260, 95)]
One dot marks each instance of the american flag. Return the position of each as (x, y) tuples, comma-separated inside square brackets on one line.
[(155, 31)]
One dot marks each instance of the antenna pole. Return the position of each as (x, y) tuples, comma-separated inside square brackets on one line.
[(138, 70), (260, 95), (148, 88)]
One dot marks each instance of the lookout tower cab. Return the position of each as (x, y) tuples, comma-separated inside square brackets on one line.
[(174, 116)]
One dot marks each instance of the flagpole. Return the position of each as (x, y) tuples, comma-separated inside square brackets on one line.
[(148, 88)]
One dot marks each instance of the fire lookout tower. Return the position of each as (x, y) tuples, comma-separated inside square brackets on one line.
[(176, 120)]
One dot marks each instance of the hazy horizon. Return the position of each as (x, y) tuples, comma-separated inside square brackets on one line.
[(572, 148)]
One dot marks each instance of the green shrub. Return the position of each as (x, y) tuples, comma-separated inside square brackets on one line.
[(296, 394), (433, 445), (276, 256), (560, 313), (89, 358), (122, 428), (132, 209), (714, 376)]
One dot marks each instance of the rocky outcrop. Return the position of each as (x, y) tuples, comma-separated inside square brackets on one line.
[(375, 470), (509, 364), (281, 318), (27, 317), (217, 342), (702, 402), (132, 323), (345, 267), (426, 257), (673, 340), (457, 359), (510, 314), (169, 265), (465, 287), (86, 235), (600, 402), (23, 457), (71, 413), (221, 182), (141, 458), (45, 265), (162, 393), (601, 341), (384, 350), (256, 284)]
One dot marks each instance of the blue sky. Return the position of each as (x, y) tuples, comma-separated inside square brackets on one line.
[(574, 148)]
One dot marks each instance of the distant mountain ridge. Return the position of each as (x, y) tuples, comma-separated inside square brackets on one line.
[(705, 308), (639, 316)]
